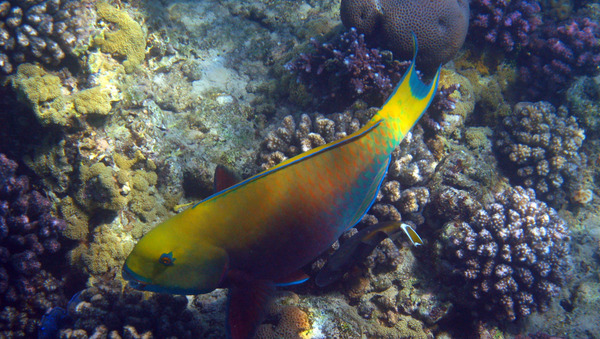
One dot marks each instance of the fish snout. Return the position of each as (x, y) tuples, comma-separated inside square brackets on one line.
[(132, 279)]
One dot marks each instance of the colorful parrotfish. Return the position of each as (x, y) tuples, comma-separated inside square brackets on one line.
[(260, 232)]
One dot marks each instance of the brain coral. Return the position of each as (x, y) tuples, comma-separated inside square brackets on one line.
[(440, 26)]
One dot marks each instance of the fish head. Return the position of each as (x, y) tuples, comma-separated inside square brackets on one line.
[(165, 263)]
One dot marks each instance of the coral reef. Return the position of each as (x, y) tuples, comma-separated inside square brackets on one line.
[(557, 54), (541, 146), (41, 30), (345, 69), (505, 24), (583, 100), (127, 41), (108, 309), (440, 27), (29, 242), (293, 138), (411, 166), (451, 106), (53, 103), (510, 255), (284, 319)]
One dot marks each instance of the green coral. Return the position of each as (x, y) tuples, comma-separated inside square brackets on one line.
[(114, 188), (37, 85), (52, 165), (128, 41)]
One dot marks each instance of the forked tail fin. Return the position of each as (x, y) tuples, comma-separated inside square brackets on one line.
[(409, 100)]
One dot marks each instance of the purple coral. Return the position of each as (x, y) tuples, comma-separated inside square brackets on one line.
[(541, 146), (28, 238), (125, 313), (503, 23), (511, 255), (341, 71), (557, 54)]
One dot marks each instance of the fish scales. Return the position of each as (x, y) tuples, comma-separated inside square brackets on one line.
[(266, 228)]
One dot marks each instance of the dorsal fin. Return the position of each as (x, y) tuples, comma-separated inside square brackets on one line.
[(224, 178)]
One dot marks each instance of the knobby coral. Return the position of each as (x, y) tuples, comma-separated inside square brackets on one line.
[(109, 310), (543, 145), (510, 256), (29, 241), (40, 30)]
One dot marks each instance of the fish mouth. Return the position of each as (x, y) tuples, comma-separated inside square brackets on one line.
[(134, 280)]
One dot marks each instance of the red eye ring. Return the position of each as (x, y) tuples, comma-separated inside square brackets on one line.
[(167, 259)]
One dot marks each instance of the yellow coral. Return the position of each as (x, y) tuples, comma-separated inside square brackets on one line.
[(44, 93), (128, 41), (293, 323), (93, 100), (36, 84), (77, 220), (100, 189), (107, 251)]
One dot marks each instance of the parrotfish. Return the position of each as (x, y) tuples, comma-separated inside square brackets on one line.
[(258, 233)]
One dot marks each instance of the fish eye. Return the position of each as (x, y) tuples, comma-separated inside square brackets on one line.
[(167, 259)]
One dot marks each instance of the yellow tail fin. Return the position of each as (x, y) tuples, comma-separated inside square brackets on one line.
[(409, 100)]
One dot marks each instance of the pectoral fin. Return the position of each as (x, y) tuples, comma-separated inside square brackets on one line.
[(297, 277)]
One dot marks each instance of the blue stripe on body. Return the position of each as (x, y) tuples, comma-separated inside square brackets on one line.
[(300, 158)]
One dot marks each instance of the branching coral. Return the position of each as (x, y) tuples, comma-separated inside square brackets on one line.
[(559, 53), (341, 71), (507, 24)]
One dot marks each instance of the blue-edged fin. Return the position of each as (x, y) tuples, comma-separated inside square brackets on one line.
[(412, 235), (293, 279), (354, 250), (246, 304), (224, 178)]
